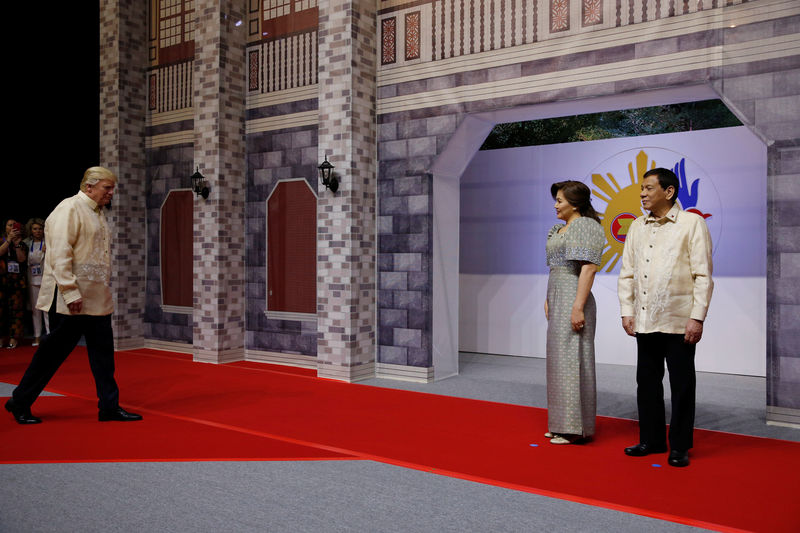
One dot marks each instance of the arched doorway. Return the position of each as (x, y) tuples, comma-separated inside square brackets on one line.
[(447, 171)]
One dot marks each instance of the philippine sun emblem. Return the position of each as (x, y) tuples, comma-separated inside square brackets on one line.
[(623, 204)]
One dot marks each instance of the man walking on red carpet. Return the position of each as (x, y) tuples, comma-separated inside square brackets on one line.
[(75, 291), (665, 287)]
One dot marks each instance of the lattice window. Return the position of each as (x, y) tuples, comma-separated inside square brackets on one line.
[(176, 27), (276, 8), (279, 8), (189, 21), (300, 5), (287, 17)]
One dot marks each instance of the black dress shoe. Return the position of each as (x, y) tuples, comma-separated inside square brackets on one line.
[(640, 450), (678, 458), (21, 415), (119, 414)]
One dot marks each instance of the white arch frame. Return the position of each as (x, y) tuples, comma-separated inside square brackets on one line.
[(447, 169)]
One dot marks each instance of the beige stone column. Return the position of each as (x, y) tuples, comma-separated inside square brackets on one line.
[(219, 153), (346, 220), (123, 60)]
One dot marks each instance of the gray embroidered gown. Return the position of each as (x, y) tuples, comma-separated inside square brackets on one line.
[(571, 395)]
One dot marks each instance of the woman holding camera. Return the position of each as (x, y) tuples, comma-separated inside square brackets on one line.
[(13, 282)]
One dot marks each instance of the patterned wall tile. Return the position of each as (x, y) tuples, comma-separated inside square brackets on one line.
[(412, 40), (254, 71), (388, 41), (559, 15), (153, 83), (592, 12)]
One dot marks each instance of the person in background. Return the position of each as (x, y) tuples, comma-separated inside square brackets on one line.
[(36, 249), (574, 249), (13, 282), (76, 291), (664, 290)]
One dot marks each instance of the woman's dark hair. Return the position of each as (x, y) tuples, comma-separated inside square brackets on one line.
[(578, 195), (5, 223)]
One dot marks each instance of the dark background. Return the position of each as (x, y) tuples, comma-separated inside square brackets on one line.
[(53, 90)]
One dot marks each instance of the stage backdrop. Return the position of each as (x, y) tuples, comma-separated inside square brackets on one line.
[(506, 211)]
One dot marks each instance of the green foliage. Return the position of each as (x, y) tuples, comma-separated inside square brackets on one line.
[(707, 114)]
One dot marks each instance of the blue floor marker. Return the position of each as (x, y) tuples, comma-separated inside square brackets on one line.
[(656, 465)]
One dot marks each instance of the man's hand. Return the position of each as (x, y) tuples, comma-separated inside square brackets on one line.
[(628, 325), (694, 331), (76, 306)]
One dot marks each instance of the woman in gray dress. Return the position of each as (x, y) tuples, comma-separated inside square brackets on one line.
[(574, 249)]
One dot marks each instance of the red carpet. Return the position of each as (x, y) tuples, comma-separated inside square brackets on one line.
[(254, 411)]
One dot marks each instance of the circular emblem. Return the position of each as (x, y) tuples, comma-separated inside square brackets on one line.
[(619, 199), (620, 225)]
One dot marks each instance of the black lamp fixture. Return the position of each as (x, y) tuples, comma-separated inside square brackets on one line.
[(327, 176), (199, 185)]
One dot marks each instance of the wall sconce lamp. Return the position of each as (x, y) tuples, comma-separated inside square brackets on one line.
[(327, 176), (199, 185)]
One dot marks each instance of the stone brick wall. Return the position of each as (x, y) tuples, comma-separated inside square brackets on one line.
[(741, 49), (748, 60), (765, 95), (219, 152), (123, 53), (346, 220), (406, 149), (168, 168), (783, 282), (273, 156)]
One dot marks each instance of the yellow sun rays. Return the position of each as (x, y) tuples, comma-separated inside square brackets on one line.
[(619, 200)]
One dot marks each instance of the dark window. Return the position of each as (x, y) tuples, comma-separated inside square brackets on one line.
[(292, 248), (176, 249)]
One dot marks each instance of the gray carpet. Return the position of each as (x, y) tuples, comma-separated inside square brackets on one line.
[(319, 496), (353, 495)]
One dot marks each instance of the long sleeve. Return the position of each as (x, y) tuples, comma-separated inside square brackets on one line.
[(60, 237), (701, 267), (625, 283), (78, 260)]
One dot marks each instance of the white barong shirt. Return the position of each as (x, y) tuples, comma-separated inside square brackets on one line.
[(78, 258), (665, 277)]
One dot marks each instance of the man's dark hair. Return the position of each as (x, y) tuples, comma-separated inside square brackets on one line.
[(665, 177)]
